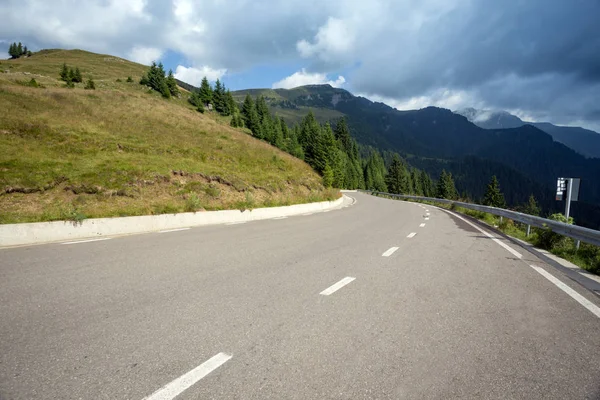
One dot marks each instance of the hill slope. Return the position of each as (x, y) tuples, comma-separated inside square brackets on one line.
[(583, 141), (121, 150)]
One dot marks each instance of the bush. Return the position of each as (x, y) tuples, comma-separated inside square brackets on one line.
[(129, 79), (192, 203), (90, 85), (550, 240), (118, 80)]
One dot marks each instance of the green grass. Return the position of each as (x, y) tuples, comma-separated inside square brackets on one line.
[(119, 150)]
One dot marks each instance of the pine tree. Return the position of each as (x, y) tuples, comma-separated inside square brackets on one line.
[(12, 50), (25, 51), (219, 100), (195, 100), (493, 196), (374, 173), (206, 92), (231, 104), (532, 207), (19, 50), (250, 115), (415, 177), (164, 89), (64, 73), (327, 176), (77, 75), (445, 187), (396, 179), (427, 184), (172, 84), (342, 133), (71, 77)]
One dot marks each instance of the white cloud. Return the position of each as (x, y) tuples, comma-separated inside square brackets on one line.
[(145, 55), (302, 78), (194, 76), (333, 39), (445, 98)]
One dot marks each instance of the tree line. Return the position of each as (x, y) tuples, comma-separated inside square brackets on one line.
[(16, 50)]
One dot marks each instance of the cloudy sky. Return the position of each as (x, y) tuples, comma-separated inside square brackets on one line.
[(539, 59)]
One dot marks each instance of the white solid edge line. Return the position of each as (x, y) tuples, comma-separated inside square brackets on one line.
[(173, 230), (507, 247), (337, 286), (236, 223), (279, 218), (179, 385), (307, 214), (389, 252), (422, 225), (412, 235), (576, 296), (86, 241)]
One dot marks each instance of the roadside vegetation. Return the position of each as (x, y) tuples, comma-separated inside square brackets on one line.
[(123, 149)]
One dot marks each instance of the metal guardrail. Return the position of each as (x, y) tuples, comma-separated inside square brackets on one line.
[(573, 231)]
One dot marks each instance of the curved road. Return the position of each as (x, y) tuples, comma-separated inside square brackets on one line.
[(358, 303)]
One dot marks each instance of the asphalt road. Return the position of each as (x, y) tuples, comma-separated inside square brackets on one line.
[(243, 312)]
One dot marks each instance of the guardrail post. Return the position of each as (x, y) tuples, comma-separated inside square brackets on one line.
[(577, 245), (501, 219), (528, 230)]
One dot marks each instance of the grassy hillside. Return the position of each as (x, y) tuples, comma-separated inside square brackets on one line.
[(287, 103), (122, 150)]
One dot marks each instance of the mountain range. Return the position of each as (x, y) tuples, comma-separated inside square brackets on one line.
[(526, 159), (583, 141)]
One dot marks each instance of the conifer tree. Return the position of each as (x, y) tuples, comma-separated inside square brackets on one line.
[(445, 187), (12, 50), (206, 92), (172, 84), (396, 178), (219, 101), (250, 116), (231, 104), (493, 196), (19, 50), (327, 176), (77, 76), (71, 77), (64, 73), (415, 177), (532, 207)]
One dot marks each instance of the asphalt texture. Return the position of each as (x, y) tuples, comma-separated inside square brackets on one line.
[(449, 315)]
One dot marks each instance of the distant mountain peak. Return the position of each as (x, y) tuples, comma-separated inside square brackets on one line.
[(581, 140)]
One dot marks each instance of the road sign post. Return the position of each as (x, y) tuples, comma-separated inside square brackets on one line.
[(568, 201)]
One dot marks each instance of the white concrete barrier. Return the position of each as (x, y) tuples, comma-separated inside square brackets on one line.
[(45, 232)]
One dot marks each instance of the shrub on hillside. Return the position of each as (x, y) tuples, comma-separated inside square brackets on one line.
[(551, 240), (90, 85)]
